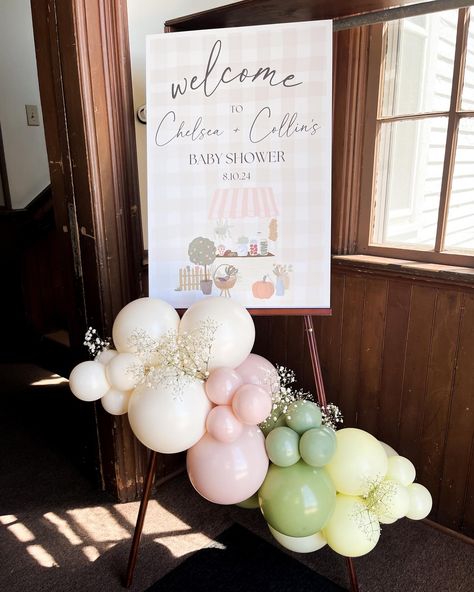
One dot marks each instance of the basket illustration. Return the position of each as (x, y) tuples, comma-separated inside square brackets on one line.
[(224, 278)]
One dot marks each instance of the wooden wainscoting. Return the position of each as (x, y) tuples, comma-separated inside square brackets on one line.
[(398, 358)]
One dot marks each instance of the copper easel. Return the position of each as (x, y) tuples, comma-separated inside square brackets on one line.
[(150, 475)]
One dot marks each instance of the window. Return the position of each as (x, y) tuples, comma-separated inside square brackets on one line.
[(417, 197)]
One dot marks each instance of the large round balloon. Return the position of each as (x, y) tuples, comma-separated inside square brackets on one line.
[(88, 381), (153, 316), (256, 369), (228, 473), (359, 462), (170, 417), (116, 402), (307, 544), (353, 530), (235, 334), (297, 500), (420, 501)]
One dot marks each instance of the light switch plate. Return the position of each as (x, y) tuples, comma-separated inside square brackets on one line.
[(32, 115)]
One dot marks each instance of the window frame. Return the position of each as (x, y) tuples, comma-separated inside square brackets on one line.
[(372, 125)]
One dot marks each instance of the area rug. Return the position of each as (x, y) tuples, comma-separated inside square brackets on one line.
[(242, 562)]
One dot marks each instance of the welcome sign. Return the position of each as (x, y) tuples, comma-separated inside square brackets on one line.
[(239, 165)]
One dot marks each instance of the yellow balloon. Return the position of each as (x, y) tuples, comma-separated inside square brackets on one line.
[(353, 530), (401, 469), (306, 544), (359, 463), (389, 501), (420, 501)]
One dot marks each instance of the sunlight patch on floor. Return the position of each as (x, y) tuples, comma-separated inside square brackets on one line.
[(23, 534), (52, 380), (42, 556), (99, 524), (185, 543), (64, 528)]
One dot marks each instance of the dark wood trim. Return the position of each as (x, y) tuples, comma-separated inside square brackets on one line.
[(84, 74), (4, 176)]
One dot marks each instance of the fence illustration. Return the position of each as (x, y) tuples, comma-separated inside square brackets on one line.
[(190, 277)]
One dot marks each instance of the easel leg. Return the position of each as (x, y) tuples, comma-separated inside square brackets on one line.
[(321, 394), (132, 558)]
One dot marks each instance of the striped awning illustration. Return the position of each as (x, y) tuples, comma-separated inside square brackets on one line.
[(243, 202)]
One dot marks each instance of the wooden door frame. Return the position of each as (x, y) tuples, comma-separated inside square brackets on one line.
[(86, 94)]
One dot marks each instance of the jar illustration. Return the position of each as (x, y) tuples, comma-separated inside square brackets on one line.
[(280, 287), (253, 250), (242, 246), (264, 247)]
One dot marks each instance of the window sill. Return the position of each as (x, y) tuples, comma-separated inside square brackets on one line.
[(414, 270)]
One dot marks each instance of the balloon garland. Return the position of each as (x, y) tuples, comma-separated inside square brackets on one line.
[(252, 439)]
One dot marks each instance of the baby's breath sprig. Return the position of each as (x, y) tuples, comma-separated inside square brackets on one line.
[(94, 343), (331, 416)]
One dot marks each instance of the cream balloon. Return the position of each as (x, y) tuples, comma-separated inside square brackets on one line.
[(170, 417), (116, 402), (390, 501), (420, 501), (389, 451), (353, 530), (88, 381), (235, 334), (401, 469), (105, 356), (359, 462), (153, 316), (307, 544), (123, 371)]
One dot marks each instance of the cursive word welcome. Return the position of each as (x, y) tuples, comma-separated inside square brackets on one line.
[(210, 82)]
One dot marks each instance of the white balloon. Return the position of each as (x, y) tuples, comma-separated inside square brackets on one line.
[(153, 316), (389, 451), (121, 371), (390, 501), (105, 356), (170, 417), (88, 381), (235, 334), (306, 544), (401, 469), (420, 501), (116, 402)]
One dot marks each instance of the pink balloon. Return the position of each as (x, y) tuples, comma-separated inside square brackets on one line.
[(258, 370), (228, 473), (252, 404), (222, 424), (222, 384)]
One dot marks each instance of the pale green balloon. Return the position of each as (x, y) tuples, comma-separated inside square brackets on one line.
[(297, 501), (317, 447), (249, 504), (270, 424), (303, 415), (282, 446)]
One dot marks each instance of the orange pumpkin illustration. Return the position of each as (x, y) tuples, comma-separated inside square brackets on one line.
[(263, 288)]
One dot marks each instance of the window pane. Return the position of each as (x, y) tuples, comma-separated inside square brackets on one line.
[(408, 181), (419, 64), (460, 226), (467, 103)]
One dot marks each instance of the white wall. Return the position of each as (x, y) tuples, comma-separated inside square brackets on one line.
[(25, 148), (144, 18)]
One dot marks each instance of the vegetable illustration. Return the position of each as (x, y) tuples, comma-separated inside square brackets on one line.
[(263, 288)]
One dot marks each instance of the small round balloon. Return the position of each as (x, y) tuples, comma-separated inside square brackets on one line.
[(171, 416), (222, 424), (401, 469), (235, 333), (307, 544), (317, 446), (251, 404), (222, 384), (276, 419), (153, 316), (228, 473), (116, 402), (390, 501), (297, 500), (123, 371), (250, 504), (105, 356), (282, 446), (420, 501), (359, 462), (88, 381), (389, 451), (303, 415), (353, 530), (258, 370)]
